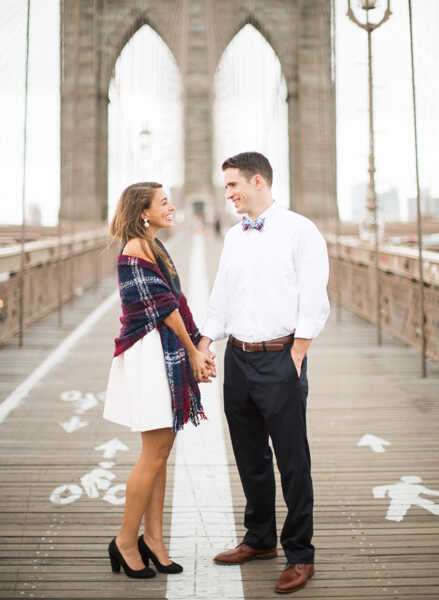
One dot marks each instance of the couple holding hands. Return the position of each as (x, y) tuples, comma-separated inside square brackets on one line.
[(270, 300)]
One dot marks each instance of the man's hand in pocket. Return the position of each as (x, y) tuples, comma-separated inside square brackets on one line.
[(298, 351)]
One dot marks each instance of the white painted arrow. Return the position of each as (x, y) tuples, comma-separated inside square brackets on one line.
[(73, 424), (374, 442), (111, 447)]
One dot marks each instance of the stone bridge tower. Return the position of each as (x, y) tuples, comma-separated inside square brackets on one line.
[(197, 32)]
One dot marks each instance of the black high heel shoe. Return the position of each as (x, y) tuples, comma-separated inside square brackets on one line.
[(117, 560), (146, 553)]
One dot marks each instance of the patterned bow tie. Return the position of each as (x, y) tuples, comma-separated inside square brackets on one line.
[(248, 223)]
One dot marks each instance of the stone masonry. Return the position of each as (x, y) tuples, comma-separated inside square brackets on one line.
[(197, 32)]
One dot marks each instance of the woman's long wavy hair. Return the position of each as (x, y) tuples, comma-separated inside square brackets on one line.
[(127, 222)]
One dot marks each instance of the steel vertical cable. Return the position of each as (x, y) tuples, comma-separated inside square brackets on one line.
[(23, 189), (59, 269), (418, 203)]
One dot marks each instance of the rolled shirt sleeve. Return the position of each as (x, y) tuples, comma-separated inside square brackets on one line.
[(312, 267), (215, 323)]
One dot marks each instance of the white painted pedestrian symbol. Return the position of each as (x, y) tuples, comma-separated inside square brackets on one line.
[(404, 494), (100, 478), (73, 424), (93, 481), (86, 403), (112, 495), (66, 494), (83, 402), (111, 447), (97, 479), (374, 442), (71, 395)]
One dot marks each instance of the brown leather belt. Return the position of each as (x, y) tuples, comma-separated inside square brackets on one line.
[(275, 345)]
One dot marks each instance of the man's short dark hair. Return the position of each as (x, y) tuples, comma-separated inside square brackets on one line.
[(250, 163)]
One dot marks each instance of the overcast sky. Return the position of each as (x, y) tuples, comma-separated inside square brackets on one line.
[(393, 101), (394, 126)]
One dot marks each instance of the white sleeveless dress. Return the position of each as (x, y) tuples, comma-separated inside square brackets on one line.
[(138, 394)]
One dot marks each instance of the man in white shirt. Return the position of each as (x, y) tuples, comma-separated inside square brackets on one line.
[(269, 298)]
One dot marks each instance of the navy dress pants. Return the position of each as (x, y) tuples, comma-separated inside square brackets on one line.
[(264, 398)]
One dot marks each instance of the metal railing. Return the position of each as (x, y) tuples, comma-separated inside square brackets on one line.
[(55, 270), (353, 264)]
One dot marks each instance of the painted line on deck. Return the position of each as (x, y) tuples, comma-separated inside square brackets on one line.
[(203, 521)]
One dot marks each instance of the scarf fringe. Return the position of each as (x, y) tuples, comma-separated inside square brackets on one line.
[(196, 414)]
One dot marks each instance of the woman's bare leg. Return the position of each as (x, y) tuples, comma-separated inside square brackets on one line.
[(156, 446), (153, 519)]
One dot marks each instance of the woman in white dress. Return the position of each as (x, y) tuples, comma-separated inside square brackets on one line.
[(152, 385)]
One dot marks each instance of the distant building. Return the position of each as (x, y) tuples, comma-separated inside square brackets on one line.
[(388, 203), (429, 205), (33, 214), (359, 199), (433, 207)]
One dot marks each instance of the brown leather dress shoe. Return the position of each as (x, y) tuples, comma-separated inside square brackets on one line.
[(243, 553), (294, 578)]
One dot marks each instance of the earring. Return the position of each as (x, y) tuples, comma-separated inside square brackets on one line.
[(146, 222)]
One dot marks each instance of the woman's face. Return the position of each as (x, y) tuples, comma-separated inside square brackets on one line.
[(161, 212)]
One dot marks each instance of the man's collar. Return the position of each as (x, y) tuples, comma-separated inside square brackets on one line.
[(268, 210)]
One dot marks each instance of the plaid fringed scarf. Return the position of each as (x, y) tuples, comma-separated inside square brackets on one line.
[(147, 299)]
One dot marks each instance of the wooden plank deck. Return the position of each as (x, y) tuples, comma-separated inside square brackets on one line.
[(58, 551)]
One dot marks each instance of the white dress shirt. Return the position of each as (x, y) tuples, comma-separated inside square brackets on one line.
[(270, 283)]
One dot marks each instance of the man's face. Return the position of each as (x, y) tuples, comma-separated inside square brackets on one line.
[(240, 191)]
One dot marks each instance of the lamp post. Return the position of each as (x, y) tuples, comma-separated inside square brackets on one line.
[(369, 228)]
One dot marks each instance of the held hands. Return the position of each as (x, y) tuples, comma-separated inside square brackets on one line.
[(203, 364), (210, 371)]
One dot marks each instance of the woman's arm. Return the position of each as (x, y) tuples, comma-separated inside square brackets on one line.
[(201, 364)]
